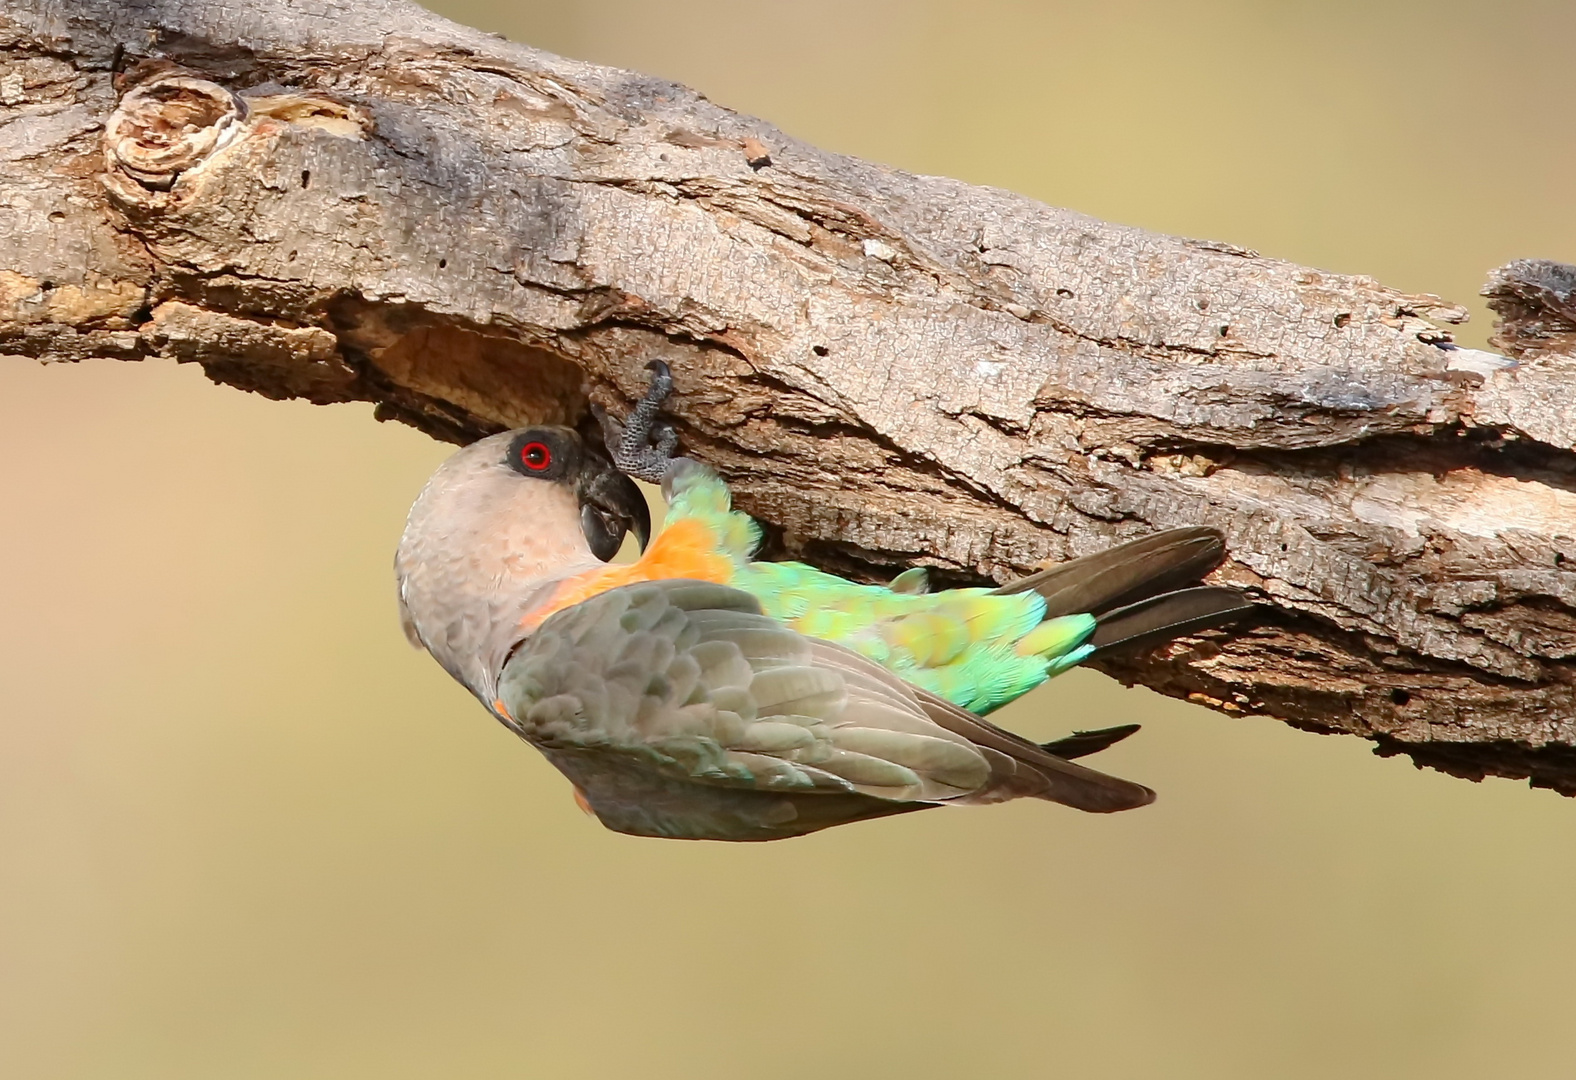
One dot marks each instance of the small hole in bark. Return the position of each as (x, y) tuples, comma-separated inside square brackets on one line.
[(819, 350), (1224, 330), (1342, 319), (290, 257), (46, 286), (1285, 547), (1559, 558), (1202, 304), (1400, 697), (1065, 294), (306, 179), (56, 215), (442, 263)]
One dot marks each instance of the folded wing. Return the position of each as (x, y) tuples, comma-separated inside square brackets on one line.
[(678, 709)]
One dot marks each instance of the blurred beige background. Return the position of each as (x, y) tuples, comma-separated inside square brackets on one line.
[(245, 831)]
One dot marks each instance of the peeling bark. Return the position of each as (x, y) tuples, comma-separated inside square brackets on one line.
[(360, 201)]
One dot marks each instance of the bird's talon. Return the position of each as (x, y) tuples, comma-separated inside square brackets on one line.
[(642, 444)]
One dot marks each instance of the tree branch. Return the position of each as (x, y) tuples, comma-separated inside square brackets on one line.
[(360, 201)]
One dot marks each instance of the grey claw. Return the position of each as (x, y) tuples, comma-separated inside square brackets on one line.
[(642, 445)]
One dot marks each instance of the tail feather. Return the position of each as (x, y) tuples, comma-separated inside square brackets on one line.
[(1125, 574), (1137, 596), (1083, 743), (1161, 618), (1138, 591)]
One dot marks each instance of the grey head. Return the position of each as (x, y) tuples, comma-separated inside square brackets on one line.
[(495, 529)]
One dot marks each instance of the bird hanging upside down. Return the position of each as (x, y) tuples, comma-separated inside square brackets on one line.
[(700, 694)]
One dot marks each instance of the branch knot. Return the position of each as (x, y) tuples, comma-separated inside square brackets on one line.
[(170, 125)]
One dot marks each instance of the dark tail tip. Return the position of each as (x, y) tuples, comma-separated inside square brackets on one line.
[(1113, 578), (1169, 615), (1083, 743)]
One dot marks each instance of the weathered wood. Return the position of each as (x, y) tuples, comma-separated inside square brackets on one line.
[(358, 200)]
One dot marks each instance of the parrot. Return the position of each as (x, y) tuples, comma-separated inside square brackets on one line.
[(700, 693)]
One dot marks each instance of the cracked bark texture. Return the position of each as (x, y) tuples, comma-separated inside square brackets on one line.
[(361, 201)]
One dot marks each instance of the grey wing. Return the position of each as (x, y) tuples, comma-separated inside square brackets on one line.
[(1019, 768), (678, 709)]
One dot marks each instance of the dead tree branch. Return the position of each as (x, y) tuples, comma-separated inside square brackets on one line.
[(355, 200)]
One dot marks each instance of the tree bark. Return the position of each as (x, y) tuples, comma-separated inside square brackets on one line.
[(356, 200)]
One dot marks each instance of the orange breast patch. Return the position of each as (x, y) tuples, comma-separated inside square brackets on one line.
[(684, 549)]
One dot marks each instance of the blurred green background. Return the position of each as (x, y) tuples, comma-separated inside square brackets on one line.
[(246, 831)]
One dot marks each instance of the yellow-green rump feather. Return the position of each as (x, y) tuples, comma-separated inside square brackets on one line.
[(975, 647)]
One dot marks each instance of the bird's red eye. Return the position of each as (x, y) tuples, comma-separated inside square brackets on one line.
[(536, 456)]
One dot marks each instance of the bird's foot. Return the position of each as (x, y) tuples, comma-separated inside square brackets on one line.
[(642, 444)]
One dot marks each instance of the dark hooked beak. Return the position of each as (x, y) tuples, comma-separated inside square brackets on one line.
[(610, 506)]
